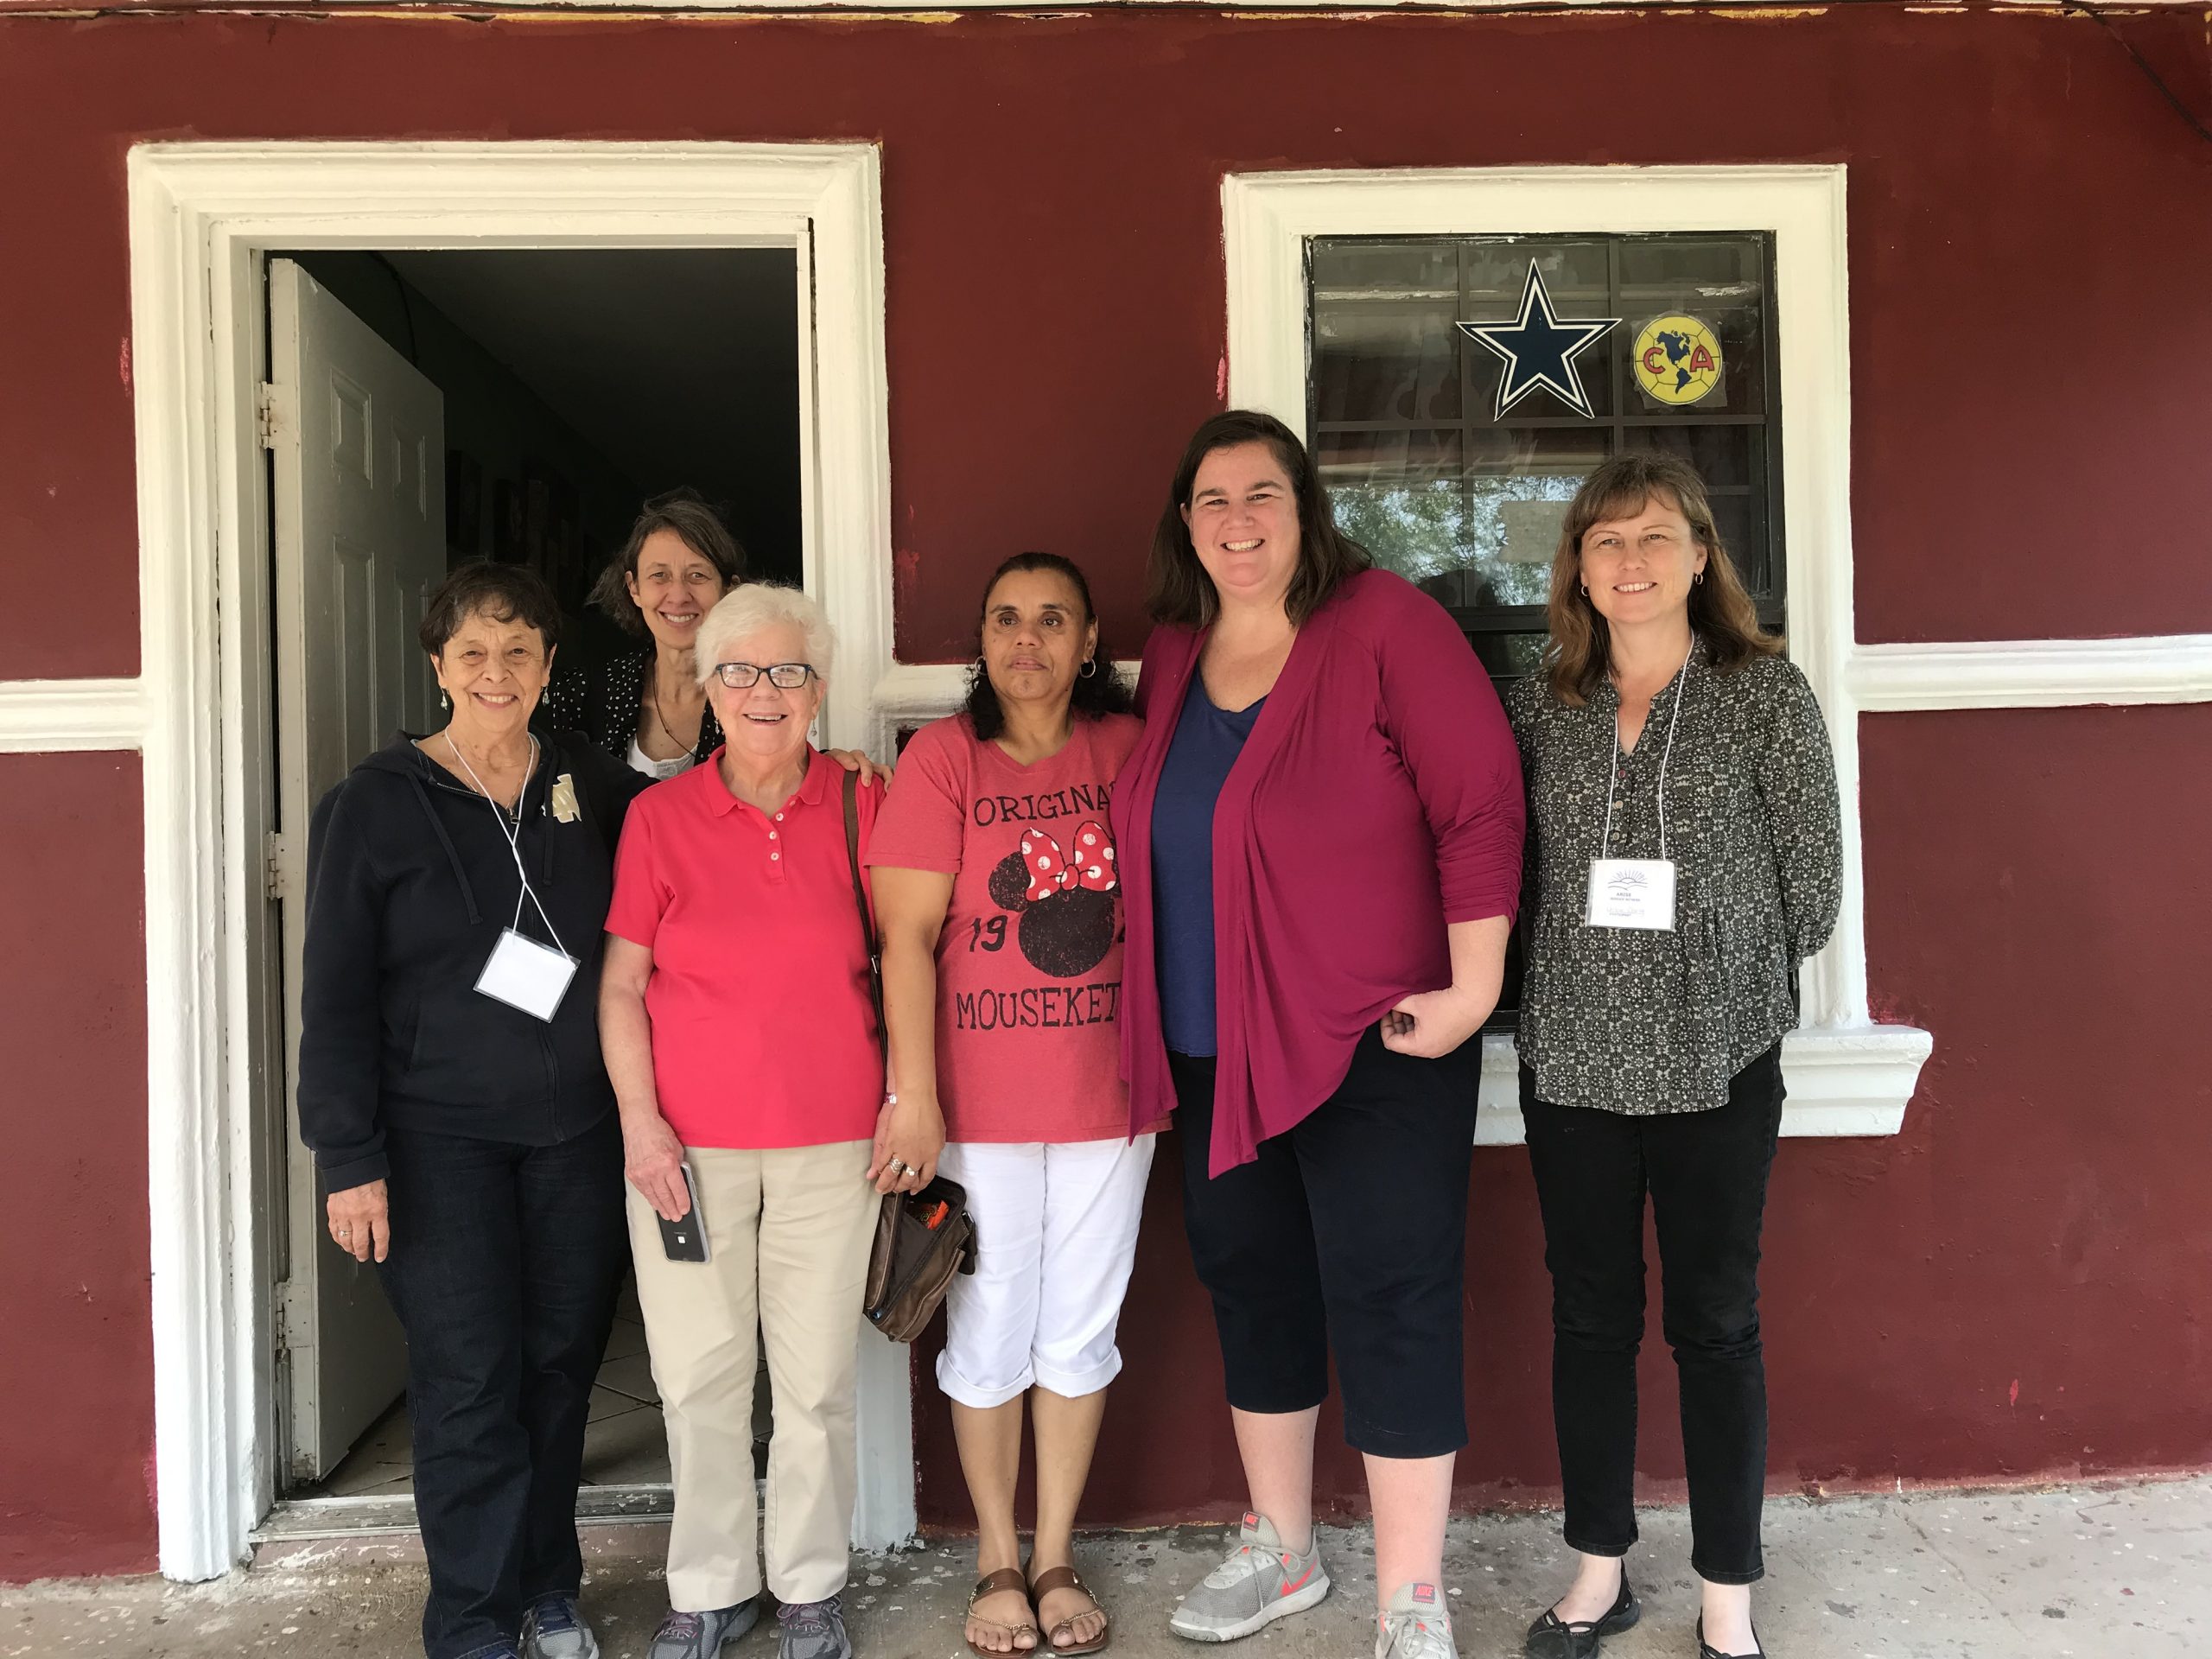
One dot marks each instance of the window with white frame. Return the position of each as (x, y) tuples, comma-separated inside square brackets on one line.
[(1449, 473)]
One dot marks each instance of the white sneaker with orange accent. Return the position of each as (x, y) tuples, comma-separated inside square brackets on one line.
[(1257, 1583), (1417, 1626)]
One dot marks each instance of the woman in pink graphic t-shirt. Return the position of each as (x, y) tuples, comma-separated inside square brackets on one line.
[(999, 904)]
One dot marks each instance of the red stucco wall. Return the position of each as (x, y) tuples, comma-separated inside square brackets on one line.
[(77, 1358), (2028, 231)]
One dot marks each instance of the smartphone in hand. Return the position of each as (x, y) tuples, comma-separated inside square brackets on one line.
[(685, 1240)]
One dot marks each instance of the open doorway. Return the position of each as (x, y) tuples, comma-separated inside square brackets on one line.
[(430, 408)]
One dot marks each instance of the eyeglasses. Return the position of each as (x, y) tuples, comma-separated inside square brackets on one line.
[(785, 677)]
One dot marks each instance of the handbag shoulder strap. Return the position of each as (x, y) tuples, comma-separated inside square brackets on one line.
[(859, 895)]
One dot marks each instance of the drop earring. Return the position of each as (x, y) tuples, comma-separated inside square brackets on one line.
[(445, 702)]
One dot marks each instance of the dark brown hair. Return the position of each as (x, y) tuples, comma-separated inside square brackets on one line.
[(505, 593), (1178, 590), (1099, 692), (687, 513), (1721, 612)]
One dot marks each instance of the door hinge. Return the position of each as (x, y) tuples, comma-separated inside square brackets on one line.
[(276, 414), (273, 867)]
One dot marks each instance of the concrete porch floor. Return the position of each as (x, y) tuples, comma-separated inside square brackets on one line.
[(2101, 1571)]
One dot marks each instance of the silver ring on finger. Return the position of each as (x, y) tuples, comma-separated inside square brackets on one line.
[(901, 1168)]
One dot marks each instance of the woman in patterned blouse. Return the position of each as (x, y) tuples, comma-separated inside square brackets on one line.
[(645, 706), (1683, 859)]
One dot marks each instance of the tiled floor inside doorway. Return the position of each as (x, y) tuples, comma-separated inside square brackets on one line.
[(625, 1444)]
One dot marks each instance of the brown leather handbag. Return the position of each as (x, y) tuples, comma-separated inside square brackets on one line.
[(921, 1238)]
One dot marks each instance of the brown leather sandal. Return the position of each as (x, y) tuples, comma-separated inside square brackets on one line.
[(1006, 1577), (1063, 1577)]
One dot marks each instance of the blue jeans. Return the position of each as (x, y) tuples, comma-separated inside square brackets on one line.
[(505, 1264)]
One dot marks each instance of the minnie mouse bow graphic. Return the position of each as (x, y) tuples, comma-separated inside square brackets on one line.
[(1051, 870)]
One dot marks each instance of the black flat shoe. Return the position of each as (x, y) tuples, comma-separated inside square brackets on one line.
[(1705, 1651), (1551, 1638)]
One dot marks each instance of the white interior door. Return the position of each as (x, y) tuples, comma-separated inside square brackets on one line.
[(358, 436)]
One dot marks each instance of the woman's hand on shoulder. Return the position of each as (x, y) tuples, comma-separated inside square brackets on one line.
[(1430, 1024), (853, 760), (653, 1160), (360, 1221), (909, 1138)]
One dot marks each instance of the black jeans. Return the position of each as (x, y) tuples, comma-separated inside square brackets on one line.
[(1350, 1230), (1707, 1174), (506, 1261)]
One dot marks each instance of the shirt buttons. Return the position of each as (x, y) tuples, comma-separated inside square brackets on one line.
[(773, 855), (772, 835), (780, 818)]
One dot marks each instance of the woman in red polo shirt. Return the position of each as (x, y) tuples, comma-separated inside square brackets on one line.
[(735, 1018), (995, 880)]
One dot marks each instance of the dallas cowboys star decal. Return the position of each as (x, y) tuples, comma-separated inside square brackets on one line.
[(1538, 349)]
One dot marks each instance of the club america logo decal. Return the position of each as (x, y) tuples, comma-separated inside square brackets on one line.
[(1538, 349)]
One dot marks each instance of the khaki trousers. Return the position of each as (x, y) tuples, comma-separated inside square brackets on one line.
[(788, 1231)]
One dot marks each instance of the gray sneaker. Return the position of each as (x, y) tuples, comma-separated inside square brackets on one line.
[(1417, 1626), (553, 1629), (701, 1636), (1258, 1582), (814, 1630)]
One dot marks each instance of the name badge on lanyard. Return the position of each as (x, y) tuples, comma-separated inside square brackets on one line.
[(525, 975), (1637, 893), (1631, 892), (520, 972)]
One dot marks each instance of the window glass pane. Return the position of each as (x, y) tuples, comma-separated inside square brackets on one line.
[(1473, 520), (1575, 282), (1720, 284), (1383, 336)]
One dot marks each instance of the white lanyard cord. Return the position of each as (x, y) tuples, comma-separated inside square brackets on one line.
[(1612, 777), (513, 834)]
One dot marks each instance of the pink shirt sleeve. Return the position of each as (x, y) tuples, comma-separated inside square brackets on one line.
[(1441, 710), (921, 823), (641, 895)]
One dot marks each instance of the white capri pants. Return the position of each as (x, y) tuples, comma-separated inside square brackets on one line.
[(1056, 1236)]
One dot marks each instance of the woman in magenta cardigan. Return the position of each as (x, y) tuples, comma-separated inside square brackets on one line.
[(1320, 836)]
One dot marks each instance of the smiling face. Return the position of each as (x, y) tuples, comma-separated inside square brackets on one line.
[(674, 589), (1639, 567), (762, 723), (1036, 638), (494, 672), (1242, 517)]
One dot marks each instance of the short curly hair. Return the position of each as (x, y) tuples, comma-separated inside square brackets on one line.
[(505, 593)]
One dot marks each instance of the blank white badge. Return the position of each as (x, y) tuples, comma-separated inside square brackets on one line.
[(1631, 892), (526, 975)]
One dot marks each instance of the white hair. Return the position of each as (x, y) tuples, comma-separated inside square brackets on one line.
[(752, 607)]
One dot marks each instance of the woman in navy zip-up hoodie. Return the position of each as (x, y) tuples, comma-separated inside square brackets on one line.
[(468, 1146)]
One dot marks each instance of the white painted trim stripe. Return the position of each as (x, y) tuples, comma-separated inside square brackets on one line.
[(1840, 1083), (57, 716), (2033, 674)]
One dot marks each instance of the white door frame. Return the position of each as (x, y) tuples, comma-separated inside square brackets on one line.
[(203, 219)]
